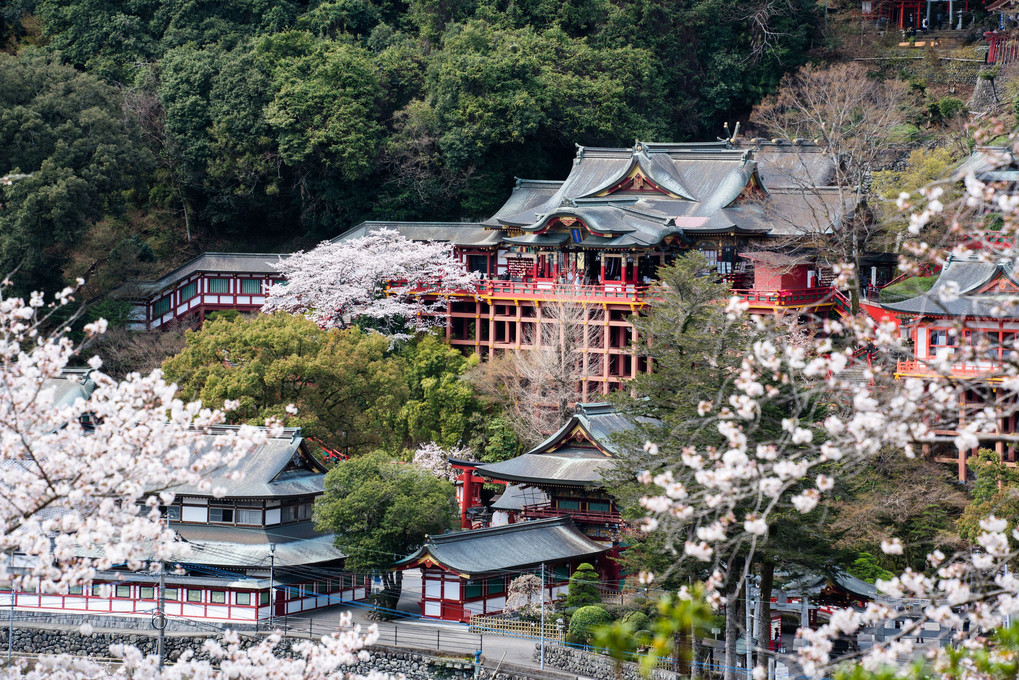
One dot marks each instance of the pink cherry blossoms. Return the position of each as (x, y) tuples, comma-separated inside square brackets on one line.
[(382, 278), (716, 501), (81, 487)]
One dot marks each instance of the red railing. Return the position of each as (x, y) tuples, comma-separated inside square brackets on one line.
[(784, 298), (915, 367), (545, 510), (604, 292)]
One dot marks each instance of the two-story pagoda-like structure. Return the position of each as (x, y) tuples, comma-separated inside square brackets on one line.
[(972, 309), (255, 554), (564, 477)]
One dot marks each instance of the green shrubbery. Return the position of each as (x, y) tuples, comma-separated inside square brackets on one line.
[(584, 621), (583, 588)]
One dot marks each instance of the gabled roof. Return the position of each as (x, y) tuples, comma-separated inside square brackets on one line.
[(989, 164), (699, 189), (290, 552), (516, 496), (212, 263), (282, 466), (576, 455), (786, 165), (457, 233), (985, 289), (70, 386), (506, 548)]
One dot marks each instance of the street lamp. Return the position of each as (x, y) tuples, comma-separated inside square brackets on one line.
[(272, 575)]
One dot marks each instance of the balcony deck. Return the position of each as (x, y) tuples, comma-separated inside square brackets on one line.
[(914, 368), (610, 292), (546, 510), (785, 299)]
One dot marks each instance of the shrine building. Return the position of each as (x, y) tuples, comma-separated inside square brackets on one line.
[(594, 239), (468, 573), (255, 554), (983, 316)]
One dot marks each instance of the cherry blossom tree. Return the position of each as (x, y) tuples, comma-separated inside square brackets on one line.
[(717, 500), (435, 459), (382, 281), (87, 478)]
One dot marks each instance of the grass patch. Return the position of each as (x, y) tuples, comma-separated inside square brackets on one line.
[(904, 290)]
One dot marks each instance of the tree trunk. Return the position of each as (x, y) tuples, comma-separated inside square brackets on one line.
[(733, 611), (387, 600), (682, 643), (763, 625), (854, 289)]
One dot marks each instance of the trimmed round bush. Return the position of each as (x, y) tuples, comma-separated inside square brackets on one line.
[(638, 620), (586, 619)]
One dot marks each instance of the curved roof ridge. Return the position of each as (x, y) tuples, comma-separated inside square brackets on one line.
[(664, 175)]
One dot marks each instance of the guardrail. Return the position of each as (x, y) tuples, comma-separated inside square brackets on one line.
[(546, 510), (445, 638), (917, 367), (605, 292), (784, 298)]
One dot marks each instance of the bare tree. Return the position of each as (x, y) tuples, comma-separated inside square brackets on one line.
[(542, 381), (853, 119)]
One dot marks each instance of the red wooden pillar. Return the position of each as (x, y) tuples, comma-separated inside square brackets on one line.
[(623, 273), (601, 280)]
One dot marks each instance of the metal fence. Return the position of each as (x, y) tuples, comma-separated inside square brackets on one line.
[(516, 628), (456, 639)]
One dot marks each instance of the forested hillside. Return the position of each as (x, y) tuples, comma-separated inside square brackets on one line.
[(250, 121)]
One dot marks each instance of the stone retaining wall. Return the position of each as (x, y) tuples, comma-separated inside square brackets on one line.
[(414, 664), (588, 665), (72, 620)]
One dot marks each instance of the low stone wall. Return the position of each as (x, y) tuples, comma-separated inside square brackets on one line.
[(589, 665), (109, 621), (54, 640), (414, 664)]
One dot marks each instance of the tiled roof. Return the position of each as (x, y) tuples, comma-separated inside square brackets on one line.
[(967, 276), (213, 263), (557, 461), (280, 467), (506, 548)]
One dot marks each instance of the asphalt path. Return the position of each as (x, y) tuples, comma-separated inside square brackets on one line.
[(416, 632)]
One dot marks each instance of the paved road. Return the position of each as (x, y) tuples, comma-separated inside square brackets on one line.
[(414, 631)]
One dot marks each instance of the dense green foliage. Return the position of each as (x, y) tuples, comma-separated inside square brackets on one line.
[(314, 114), (910, 498), (353, 392), (585, 621), (347, 390), (583, 586), (904, 290), (381, 510), (866, 567), (995, 492), (67, 132)]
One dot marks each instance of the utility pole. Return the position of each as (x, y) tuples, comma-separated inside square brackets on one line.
[(10, 632), (749, 629), (161, 640), (542, 616), (272, 586)]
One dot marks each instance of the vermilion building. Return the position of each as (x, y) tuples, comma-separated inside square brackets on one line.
[(594, 239), (469, 573), (966, 325)]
